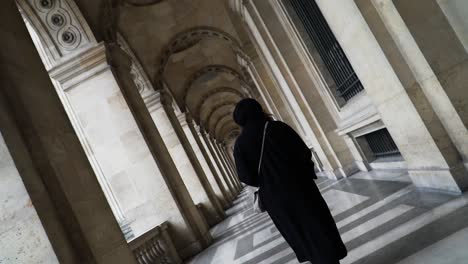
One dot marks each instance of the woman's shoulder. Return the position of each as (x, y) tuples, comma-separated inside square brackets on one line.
[(239, 141), (279, 125)]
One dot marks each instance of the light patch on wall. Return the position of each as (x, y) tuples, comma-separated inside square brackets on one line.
[(22, 236), (456, 12)]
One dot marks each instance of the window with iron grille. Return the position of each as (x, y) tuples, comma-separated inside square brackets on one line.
[(381, 143), (322, 38)]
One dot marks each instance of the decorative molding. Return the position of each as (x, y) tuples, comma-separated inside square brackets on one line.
[(182, 119), (81, 68), (153, 101), (60, 26), (139, 75), (237, 7), (364, 127)]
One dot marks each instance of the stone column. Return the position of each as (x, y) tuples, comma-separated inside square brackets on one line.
[(286, 89), (210, 168), (202, 163), (231, 164), (441, 79), (229, 168), (74, 82), (188, 164), (62, 185), (121, 66), (360, 157), (433, 161), (259, 86), (226, 167), (223, 166), (218, 165), (89, 88)]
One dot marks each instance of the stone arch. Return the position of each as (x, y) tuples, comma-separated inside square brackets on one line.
[(210, 69), (222, 122), (213, 110), (206, 97), (190, 37), (60, 26), (224, 112), (231, 135), (227, 129)]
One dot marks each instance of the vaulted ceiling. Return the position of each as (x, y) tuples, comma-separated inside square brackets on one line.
[(193, 48)]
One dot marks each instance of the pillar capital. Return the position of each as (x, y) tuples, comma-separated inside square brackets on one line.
[(117, 57), (182, 119), (202, 130), (80, 68), (166, 99), (188, 117)]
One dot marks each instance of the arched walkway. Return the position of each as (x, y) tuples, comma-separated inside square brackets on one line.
[(117, 134)]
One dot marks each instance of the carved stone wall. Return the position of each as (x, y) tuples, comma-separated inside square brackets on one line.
[(59, 25)]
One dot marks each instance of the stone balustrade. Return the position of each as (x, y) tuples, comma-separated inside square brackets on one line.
[(155, 247)]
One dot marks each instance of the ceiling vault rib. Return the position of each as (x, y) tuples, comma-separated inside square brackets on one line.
[(210, 69), (187, 38), (206, 97), (214, 109), (226, 119)]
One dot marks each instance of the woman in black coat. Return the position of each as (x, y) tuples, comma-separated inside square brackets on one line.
[(286, 186)]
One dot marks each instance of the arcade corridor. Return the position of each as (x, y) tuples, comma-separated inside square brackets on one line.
[(117, 133)]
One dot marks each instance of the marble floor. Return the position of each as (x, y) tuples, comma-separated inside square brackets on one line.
[(382, 217)]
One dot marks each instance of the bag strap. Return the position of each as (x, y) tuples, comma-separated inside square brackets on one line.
[(263, 145)]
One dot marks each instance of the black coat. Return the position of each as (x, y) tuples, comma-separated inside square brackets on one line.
[(288, 191)]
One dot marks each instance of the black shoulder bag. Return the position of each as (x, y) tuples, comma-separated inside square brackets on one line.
[(258, 206)]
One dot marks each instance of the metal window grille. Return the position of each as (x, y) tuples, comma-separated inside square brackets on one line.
[(347, 82), (381, 143)]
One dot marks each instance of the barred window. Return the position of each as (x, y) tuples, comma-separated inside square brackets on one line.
[(322, 38), (381, 143)]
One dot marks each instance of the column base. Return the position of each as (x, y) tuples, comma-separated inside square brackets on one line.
[(339, 174), (334, 175), (454, 180), (328, 174), (197, 246), (191, 250), (363, 165), (350, 169)]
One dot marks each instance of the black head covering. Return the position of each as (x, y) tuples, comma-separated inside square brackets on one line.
[(247, 110)]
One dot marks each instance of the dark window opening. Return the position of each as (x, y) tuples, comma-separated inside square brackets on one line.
[(381, 143), (316, 27)]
